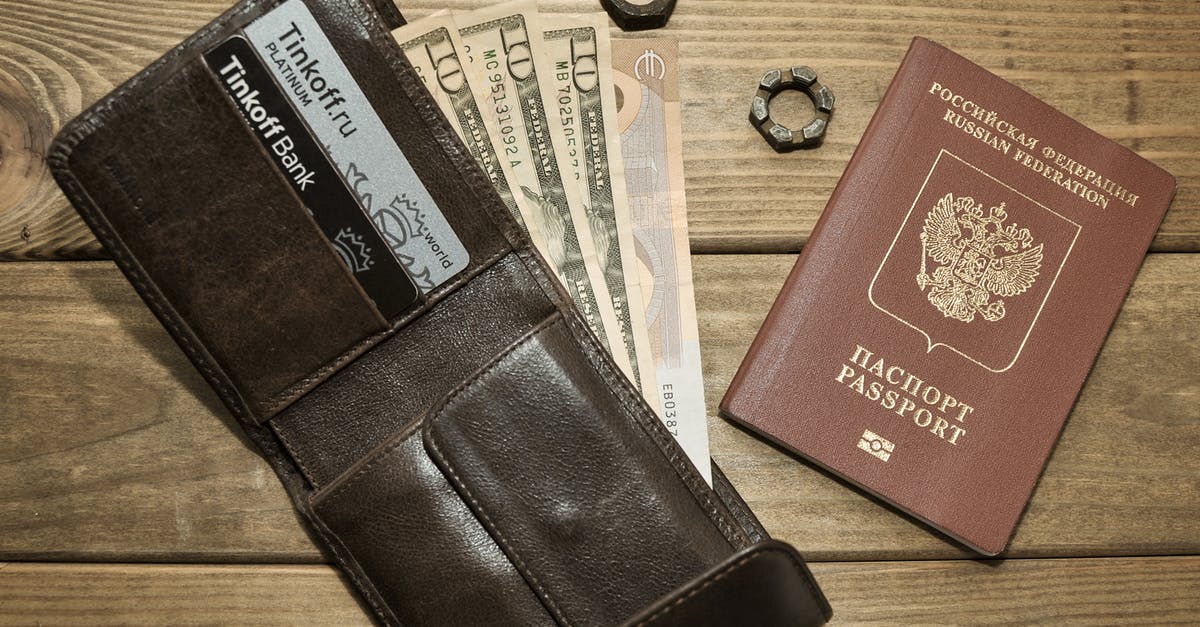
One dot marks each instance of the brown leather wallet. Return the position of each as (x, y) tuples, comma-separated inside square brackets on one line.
[(476, 458)]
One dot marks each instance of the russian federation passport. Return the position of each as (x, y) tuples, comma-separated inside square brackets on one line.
[(937, 328)]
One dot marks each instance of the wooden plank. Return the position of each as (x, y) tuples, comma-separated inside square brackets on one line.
[(113, 448), (101, 414), (162, 594), (1113, 591), (1080, 591), (55, 59), (1131, 70)]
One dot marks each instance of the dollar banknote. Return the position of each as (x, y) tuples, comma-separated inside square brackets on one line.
[(646, 78), (503, 45), (431, 45), (578, 52)]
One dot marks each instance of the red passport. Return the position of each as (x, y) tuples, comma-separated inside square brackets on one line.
[(936, 330)]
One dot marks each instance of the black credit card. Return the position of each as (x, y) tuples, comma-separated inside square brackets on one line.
[(309, 171)]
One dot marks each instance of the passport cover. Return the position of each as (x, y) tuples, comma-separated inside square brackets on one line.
[(937, 328)]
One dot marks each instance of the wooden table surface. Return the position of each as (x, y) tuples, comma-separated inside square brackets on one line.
[(126, 495)]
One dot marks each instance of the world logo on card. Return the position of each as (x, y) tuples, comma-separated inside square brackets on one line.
[(973, 264)]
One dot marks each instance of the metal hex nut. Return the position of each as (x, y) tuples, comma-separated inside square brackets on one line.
[(782, 138), (630, 16)]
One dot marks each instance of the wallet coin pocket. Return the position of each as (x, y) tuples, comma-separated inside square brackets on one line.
[(530, 488), (554, 462)]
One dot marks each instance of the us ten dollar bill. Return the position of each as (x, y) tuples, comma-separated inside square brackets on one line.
[(432, 46), (503, 45), (579, 56)]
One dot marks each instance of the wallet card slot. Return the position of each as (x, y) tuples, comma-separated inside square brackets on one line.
[(173, 181), (394, 383), (455, 192), (409, 533), (363, 102), (555, 466), (204, 213)]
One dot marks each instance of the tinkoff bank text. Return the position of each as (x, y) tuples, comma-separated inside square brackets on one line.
[(270, 128)]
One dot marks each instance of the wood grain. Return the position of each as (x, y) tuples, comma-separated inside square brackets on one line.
[(55, 59), (1080, 591), (112, 448), (1131, 70), (162, 594), (1122, 591), (100, 412)]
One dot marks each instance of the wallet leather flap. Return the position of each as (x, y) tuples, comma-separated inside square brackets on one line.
[(767, 585), (203, 220), (587, 507), (220, 246)]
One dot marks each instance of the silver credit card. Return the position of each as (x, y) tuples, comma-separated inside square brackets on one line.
[(321, 89)]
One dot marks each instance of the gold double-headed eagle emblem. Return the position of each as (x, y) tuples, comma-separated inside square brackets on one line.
[(978, 256)]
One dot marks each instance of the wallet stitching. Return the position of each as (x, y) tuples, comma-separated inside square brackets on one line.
[(282, 399), (737, 507), (87, 125), (308, 475), (366, 468), (403, 435), (352, 568), (727, 571), (436, 447)]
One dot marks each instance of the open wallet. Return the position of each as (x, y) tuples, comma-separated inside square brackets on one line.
[(444, 421)]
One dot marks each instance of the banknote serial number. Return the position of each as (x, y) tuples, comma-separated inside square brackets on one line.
[(670, 413)]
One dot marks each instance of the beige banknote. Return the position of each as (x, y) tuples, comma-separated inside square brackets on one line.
[(432, 46), (646, 78), (502, 45), (579, 55)]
